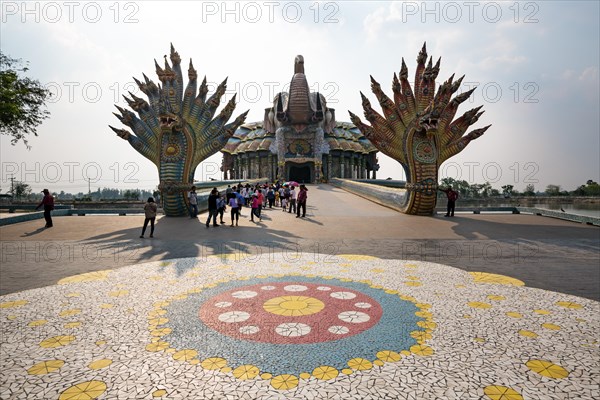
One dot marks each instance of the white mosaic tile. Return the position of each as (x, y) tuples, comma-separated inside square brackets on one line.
[(479, 334)]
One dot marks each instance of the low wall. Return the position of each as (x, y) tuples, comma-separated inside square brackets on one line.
[(386, 196), (561, 215)]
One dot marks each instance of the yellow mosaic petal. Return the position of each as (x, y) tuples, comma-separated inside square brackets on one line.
[(159, 393), (69, 313), (379, 363), (410, 265), (495, 297), (156, 313), (413, 283), (478, 304), (106, 305), (244, 372), (388, 356), (37, 322), (87, 277), (71, 325), (421, 350), (542, 312), (347, 371), (293, 305), (427, 324), (484, 277), (552, 327), (513, 314), (100, 342), (266, 376), (527, 333), (99, 364), (45, 367), (73, 294), (547, 368), (214, 363), (420, 335), (423, 306), (185, 355), (501, 393), (568, 304), (284, 382), (305, 375), (359, 364), (57, 341), (357, 257), (157, 346), (84, 391), (225, 370), (158, 321), (325, 372), (13, 304), (424, 314), (377, 270), (161, 332), (118, 293)]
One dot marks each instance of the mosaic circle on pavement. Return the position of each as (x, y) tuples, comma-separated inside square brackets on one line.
[(293, 312), (251, 322), (354, 327)]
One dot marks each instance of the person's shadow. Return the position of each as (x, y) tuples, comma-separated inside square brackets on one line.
[(39, 230)]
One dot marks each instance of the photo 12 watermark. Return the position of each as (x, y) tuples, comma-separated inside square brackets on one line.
[(453, 12), (318, 12), (53, 12)]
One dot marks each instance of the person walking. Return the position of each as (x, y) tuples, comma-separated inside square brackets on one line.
[(193, 200), (235, 207), (302, 196), (261, 199), (271, 196), (292, 199), (240, 200), (48, 203), (254, 205), (221, 205), (212, 208), (150, 209), (452, 196)]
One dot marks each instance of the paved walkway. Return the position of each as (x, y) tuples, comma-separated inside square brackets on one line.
[(543, 252), (353, 302)]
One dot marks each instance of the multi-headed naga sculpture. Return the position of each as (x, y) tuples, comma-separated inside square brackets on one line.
[(417, 129), (176, 129)]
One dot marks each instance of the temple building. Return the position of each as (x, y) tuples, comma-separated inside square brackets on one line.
[(299, 140)]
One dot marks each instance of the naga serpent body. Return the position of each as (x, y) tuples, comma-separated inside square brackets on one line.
[(418, 129), (175, 129)]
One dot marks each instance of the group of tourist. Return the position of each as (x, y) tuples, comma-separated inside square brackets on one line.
[(257, 198)]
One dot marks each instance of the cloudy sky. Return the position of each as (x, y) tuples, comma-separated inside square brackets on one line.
[(535, 65)]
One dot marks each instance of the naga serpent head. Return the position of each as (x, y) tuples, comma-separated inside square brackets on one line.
[(428, 121), (169, 122)]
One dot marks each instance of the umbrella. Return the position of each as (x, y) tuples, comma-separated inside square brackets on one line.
[(292, 183)]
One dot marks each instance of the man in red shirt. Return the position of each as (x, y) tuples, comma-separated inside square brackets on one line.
[(452, 196), (48, 203)]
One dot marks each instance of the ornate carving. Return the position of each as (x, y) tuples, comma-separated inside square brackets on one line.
[(418, 130), (176, 130)]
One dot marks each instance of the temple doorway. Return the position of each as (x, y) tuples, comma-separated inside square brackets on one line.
[(301, 173)]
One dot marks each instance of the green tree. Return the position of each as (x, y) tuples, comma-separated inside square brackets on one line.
[(508, 190), (529, 190), (553, 190), (21, 189), (22, 101)]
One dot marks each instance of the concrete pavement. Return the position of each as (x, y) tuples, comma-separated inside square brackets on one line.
[(543, 252)]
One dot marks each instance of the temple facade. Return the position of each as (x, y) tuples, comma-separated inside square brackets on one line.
[(300, 140)]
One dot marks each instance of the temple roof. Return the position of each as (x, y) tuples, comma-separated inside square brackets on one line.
[(252, 137)]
